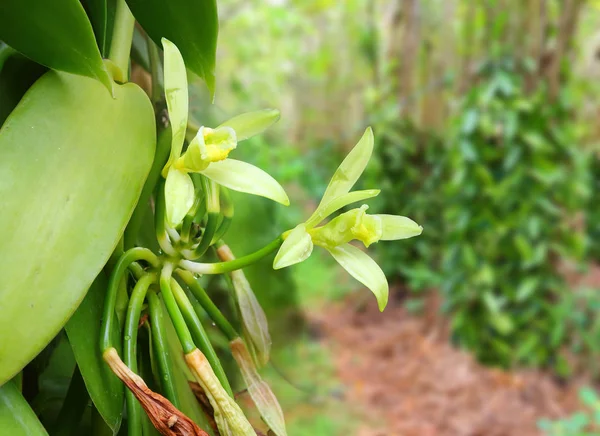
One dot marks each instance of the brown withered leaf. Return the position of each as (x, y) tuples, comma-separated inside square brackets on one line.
[(205, 405), (167, 419)]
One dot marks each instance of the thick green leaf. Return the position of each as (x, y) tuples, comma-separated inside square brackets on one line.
[(16, 417), (102, 17), (192, 25), (56, 34), (16, 76), (83, 331), (73, 161)]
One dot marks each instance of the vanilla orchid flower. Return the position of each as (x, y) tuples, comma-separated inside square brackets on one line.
[(208, 152), (356, 224)]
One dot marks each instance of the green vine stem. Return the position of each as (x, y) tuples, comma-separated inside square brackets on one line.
[(231, 265), (161, 348), (120, 46), (159, 221), (199, 335), (108, 316), (132, 319), (183, 333), (207, 304), (163, 148)]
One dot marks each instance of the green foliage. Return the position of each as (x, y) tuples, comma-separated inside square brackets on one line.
[(63, 42), (592, 210), (583, 423), (411, 169), (516, 181)]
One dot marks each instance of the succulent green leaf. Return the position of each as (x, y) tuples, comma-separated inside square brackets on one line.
[(252, 123), (398, 227), (324, 210), (364, 269), (243, 177), (179, 196), (192, 25), (83, 329), (16, 417), (56, 34), (176, 92), (350, 169), (73, 161), (296, 248)]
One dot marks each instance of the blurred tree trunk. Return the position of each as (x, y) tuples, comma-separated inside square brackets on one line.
[(409, 56), (468, 45), (567, 25), (536, 40)]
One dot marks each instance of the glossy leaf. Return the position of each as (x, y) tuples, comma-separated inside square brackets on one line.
[(243, 177), (350, 169), (56, 34), (364, 269), (16, 76), (296, 248), (16, 417), (83, 331), (192, 25), (73, 161)]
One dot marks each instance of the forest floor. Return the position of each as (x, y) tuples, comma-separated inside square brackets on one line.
[(400, 371)]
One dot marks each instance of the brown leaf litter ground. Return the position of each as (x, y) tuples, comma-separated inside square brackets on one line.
[(403, 372)]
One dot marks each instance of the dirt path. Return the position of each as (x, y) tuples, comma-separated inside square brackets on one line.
[(401, 369)]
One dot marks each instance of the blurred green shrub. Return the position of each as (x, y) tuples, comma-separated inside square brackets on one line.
[(517, 181), (583, 423), (411, 168), (593, 211)]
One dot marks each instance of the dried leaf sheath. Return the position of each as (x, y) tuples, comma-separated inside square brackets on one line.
[(167, 419)]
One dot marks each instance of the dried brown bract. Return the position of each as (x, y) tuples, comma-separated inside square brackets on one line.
[(167, 419)]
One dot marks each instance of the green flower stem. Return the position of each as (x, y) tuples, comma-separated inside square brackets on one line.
[(120, 46), (118, 272), (73, 406), (163, 148), (212, 222), (161, 348), (227, 212), (207, 304), (199, 335), (155, 67), (231, 265), (159, 221), (189, 218), (134, 409), (181, 328)]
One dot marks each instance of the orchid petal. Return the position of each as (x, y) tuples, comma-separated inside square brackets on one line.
[(252, 123), (179, 196), (244, 177), (176, 92), (296, 248), (398, 227), (364, 269), (324, 210), (350, 169)]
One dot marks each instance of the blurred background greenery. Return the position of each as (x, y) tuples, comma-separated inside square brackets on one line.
[(485, 117)]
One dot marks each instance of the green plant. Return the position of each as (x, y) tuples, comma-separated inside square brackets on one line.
[(411, 165), (517, 178), (582, 423), (118, 206)]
